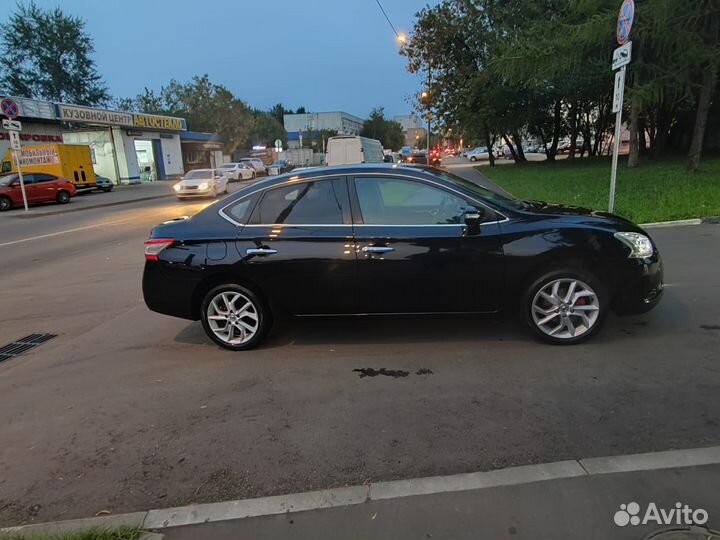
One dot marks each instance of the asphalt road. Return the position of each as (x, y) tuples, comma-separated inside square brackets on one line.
[(128, 409)]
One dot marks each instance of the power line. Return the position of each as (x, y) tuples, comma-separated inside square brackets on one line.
[(388, 19)]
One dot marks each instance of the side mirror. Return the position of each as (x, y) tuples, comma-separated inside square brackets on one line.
[(473, 216)]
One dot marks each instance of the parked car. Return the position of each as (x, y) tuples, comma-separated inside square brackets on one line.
[(280, 166), (478, 153), (202, 183), (411, 229), (239, 171), (39, 188), (255, 163), (103, 183)]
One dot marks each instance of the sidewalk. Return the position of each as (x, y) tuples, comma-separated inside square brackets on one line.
[(595, 498), (97, 199), (570, 508)]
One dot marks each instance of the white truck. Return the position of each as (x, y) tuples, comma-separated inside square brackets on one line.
[(349, 149)]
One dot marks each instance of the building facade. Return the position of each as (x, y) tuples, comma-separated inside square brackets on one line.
[(201, 150), (309, 125), (124, 146)]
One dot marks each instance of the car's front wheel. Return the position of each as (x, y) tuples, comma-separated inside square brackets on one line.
[(473, 158), (565, 306), (235, 317)]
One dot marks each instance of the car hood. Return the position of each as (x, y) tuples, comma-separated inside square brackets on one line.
[(197, 181), (598, 217)]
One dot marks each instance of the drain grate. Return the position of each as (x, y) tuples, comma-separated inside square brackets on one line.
[(22, 345)]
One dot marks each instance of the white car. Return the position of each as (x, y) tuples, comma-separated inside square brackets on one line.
[(239, 171), (478, 153), (255, 163), (202, 183)]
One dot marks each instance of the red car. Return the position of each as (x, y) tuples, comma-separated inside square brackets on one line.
[(39, 187)]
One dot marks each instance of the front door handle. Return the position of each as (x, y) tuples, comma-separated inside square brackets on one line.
[(377, 249), (260, 251)]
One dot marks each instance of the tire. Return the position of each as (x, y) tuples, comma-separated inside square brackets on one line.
[(107, 189), (62, 197), (254, 175), (473, 158), (577, 319), (257, 319), (5, 203)]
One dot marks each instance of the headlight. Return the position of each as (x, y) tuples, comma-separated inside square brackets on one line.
[(639, 244), (203, 186), (177, 187)]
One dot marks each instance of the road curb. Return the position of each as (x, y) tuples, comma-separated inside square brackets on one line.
[(196, 514), (673, 223), (30, 215)]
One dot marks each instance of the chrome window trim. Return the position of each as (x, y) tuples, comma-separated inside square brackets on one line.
[(355, 175)]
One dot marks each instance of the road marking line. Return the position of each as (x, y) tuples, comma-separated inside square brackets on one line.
[(40, 237), (674, 223), (349, 496)]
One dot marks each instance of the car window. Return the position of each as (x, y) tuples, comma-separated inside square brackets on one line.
[(386, 201), (29, 179), (44, 178), (240, 211), (318, 202)]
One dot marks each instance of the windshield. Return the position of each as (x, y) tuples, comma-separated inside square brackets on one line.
[(7, 179), (199, 173), (502, 200)]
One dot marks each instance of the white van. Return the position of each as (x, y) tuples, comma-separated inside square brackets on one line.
[(349, 149)]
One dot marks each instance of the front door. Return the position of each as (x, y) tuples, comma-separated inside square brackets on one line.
[(415, 254), (298, 243)]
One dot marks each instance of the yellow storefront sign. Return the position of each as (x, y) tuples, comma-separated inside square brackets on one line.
[(158, 122)]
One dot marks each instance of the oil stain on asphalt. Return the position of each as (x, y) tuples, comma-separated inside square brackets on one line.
[(394, 373)]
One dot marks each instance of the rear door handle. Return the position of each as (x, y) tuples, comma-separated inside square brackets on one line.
[(260, 251), (377, 249)]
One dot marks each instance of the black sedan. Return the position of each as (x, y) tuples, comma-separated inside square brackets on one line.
[(395, 239)]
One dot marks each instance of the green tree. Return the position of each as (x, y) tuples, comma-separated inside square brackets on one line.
[(266, 129), (46, 54), (278, 112), (388, 132), (205, 105)]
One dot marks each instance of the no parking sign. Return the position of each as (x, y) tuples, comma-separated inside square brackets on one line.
[(625, 21), (10, 108)]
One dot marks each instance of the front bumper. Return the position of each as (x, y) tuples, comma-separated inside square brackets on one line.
[(641, 287), (184, 194)]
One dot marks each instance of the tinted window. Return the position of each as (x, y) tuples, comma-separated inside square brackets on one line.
[(240, 211), (29, 179), (318, 202), (44, 178), (405, 202)]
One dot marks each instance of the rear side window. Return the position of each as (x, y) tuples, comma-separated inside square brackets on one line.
[(240, 211), (44, 178), (320, 202)]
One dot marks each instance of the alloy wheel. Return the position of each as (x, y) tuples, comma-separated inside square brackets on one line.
[(565, 308), (233, 317)]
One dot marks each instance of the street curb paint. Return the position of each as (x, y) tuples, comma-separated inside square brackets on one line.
[(348, 496)]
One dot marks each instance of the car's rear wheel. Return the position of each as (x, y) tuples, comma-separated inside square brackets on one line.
[(565, 306), (235, 317), (473, 158), (62, 197), (5, 204)]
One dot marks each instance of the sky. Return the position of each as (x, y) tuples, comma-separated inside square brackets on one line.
[(325, 55)]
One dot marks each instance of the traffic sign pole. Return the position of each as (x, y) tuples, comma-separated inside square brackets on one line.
[(16, 155), (616, 144), (621, 57)]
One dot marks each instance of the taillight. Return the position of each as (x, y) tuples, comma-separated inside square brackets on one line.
[(154, 246)]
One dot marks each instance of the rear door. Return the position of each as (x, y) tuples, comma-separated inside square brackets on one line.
[(46, 186), (415, 253), (32, 192), (298, 246)]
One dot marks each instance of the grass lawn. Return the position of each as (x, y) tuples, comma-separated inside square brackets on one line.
[(656, 191), (122, 533)]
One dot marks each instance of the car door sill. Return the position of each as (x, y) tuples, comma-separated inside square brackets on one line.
[(396, 313)]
